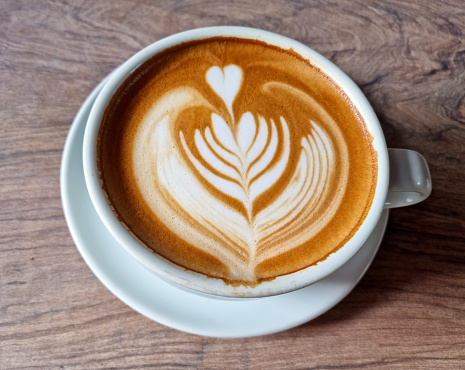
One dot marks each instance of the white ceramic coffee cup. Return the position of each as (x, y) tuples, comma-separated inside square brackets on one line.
[(403, 175)]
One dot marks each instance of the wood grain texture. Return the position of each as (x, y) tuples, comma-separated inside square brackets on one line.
[(409, 309)]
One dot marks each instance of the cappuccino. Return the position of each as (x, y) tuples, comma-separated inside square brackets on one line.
[(236, 159)]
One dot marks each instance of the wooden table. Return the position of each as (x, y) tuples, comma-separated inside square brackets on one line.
[(409, 309)]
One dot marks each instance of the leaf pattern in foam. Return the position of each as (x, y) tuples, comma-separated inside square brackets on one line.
[(228, 158)]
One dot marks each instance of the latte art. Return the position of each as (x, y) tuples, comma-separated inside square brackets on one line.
[(233, 171), (242, 160)]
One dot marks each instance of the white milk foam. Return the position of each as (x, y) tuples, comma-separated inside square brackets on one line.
[(242, 162)]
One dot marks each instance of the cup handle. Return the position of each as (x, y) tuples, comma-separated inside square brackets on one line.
[(410, 180)]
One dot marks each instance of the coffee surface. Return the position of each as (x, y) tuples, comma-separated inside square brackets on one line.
[(236, 159)]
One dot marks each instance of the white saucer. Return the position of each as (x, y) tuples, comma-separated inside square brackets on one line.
[(176, 308)]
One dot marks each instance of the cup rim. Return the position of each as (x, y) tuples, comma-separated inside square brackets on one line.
[(195, 281)]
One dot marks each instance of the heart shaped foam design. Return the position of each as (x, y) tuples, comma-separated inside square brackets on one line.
[(226, 82)]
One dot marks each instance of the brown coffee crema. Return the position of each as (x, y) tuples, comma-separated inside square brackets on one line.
[(236, 159)]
